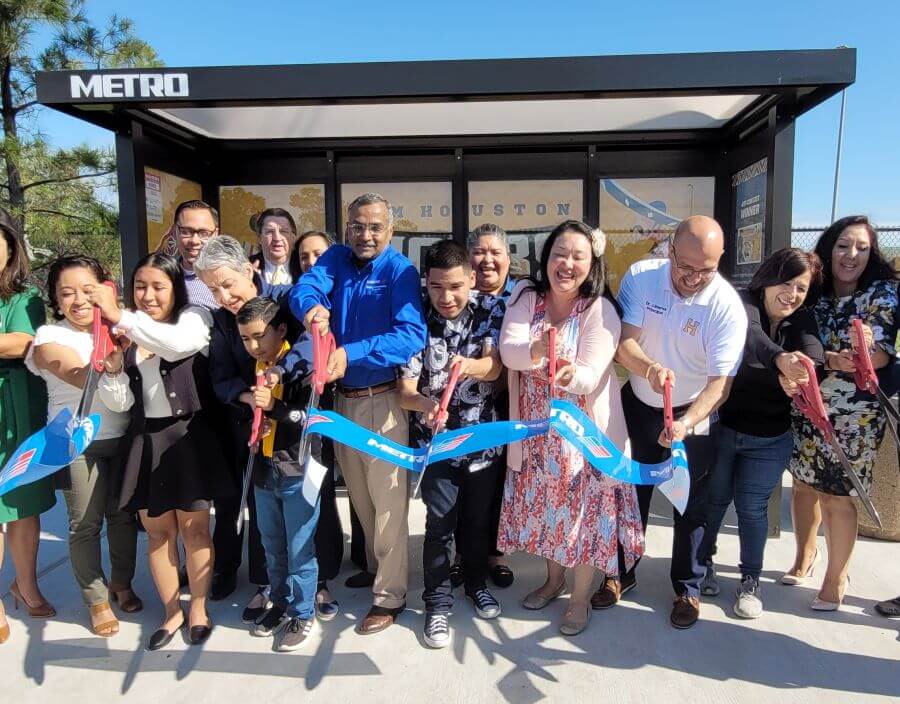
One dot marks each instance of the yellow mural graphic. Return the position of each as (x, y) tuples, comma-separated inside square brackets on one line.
[(163, 192), (238, 204)]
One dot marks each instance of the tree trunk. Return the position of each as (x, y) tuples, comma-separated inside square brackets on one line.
[(11, 138)]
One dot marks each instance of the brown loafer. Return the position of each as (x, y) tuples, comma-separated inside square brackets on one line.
[(378, 619), (685, 611), (612, 590)]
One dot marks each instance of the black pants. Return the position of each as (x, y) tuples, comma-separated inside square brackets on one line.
[(450, 493), (329, 534), (644, 426), (228, 543)]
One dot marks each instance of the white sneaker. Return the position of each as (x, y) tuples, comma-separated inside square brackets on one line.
[(747, 603), (437, 630)]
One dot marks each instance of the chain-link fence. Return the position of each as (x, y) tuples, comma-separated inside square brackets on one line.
[(888, 240)]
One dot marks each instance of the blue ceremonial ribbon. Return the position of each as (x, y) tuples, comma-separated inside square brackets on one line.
[(49, 450), (671, 476)]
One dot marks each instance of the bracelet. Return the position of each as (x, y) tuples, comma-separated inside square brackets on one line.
[(647, 373), (112, 375)]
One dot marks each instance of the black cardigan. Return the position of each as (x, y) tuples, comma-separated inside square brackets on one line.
[(757, 404)]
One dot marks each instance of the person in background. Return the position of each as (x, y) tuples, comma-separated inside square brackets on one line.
[(196, 223), (287, 520), (60, 355), (308, 247), (464, 329), (370, 296), (858, 283), (277, 232), (754, 441), (23, 410), (174, 468), (684, 322), (555, 504)]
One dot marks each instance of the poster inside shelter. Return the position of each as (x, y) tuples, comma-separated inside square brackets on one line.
[(639, 215), (749, 193), (163, 192)]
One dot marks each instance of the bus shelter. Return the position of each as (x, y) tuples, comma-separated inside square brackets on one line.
[(632, 144)]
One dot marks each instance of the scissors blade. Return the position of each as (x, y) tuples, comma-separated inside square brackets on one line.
[(245, 489), (304, 436), (418, 488), (854, 480), (87, 394)]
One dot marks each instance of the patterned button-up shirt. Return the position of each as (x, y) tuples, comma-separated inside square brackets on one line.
[(473, 401)]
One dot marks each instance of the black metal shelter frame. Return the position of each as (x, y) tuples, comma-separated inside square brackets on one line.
[(783, 85)]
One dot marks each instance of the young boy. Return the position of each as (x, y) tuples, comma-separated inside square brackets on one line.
[(463, 327), (287, 522)]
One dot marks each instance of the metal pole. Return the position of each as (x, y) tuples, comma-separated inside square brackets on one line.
[(837, 160)]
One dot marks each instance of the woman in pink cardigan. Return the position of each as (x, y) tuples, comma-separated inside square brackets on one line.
[(554, 503)]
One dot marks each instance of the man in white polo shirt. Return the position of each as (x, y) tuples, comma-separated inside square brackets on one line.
[(683, 321)]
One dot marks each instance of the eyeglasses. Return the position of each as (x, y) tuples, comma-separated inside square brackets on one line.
[(187, 233), (358, 228), (272, 232), (690, 271)]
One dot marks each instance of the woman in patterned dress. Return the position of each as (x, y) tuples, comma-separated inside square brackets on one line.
[(555, 504), (859, 283)]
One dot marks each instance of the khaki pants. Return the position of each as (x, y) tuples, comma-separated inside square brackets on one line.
[(380, 494), (92, 494)]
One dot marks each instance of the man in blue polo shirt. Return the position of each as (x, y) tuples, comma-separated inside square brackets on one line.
[(370, 296)]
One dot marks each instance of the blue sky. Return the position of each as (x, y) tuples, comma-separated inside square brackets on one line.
[(202, 32)]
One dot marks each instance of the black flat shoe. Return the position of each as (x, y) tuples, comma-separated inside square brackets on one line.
[(360, 580), (223, 585), (199, 634), (162, 637), (501, 576)]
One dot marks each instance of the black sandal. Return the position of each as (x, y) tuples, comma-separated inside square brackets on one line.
[(889, 608)]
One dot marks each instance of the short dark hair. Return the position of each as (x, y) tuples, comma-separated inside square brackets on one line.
[(196, 205), (446, 254), (77, 261), (314, 233), (261, 308), (13, 278), (877, 268), (172, 269), (274, 213), (784, 265)]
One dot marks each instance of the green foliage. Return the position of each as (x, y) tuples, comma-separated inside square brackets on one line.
[(59, 198)]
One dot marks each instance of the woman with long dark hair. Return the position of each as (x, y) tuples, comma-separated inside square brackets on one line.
[(23, 410), (555, 504), (858, 283), (174, 466), (754, 440), (60, 354)]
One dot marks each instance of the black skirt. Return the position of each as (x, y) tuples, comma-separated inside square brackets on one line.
[(175, 464)]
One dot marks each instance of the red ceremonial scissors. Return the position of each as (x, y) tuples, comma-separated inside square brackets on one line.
[(253, 444), (668, 415), (322, 347), (867, 380), (809, 402), (439, 420), (102, 345)]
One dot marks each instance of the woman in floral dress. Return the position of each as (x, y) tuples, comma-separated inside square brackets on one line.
[(555, 504), (859, 283)]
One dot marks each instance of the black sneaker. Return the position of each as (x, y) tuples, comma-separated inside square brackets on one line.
[(271, 623), (486, 606), (437, 630), (294, 634)]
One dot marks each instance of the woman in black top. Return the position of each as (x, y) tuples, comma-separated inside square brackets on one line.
[(754, 438)]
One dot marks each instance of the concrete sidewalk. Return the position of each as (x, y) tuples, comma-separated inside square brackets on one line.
[(628, 654)]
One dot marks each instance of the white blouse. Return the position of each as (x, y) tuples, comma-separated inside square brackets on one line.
[(64, 395)]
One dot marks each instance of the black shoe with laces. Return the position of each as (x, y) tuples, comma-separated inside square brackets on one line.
[(437, 629), (486, 606)]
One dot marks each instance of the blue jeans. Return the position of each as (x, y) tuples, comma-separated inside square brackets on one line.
[(287, 524), (747, 470)]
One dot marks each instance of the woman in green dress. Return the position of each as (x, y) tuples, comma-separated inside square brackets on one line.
[(23, 410)]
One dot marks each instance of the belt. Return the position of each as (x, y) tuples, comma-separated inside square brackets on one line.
[(367, 390)]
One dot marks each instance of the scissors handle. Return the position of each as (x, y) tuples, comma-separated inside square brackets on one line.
[(809, 400), (668, 415), (551, 358), (103, 342), (864, 376), (445, 398), (323, 346), (257, 416)]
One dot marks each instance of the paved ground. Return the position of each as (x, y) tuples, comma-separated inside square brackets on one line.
[(628, 654)]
